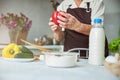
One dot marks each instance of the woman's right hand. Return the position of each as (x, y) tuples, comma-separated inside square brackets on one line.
[(58, 33), (54, 27)]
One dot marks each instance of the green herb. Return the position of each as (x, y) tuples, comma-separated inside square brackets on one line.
[(114, 45)]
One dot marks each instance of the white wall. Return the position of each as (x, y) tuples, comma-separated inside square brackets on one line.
[(112, 18), (40, 11)]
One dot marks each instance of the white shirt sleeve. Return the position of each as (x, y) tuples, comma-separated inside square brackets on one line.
[(98, 8), (63, 5)]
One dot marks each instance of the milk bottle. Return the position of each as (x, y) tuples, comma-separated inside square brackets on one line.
[(96, 43)]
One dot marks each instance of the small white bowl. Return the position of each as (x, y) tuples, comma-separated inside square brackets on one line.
[(111, 59), (55, 59)]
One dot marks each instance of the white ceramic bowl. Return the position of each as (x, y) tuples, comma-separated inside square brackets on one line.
[(55, 59)]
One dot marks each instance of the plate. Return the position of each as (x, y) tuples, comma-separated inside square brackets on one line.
[(19, 59)]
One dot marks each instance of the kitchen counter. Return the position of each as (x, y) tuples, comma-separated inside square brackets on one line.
[(10, 70)]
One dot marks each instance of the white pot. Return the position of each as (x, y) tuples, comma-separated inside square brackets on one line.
[(64, 59)]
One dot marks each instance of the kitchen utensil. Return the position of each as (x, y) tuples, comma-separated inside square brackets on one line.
[(36, 46)]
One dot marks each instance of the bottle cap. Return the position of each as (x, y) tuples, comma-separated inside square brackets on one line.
[(97, 20)]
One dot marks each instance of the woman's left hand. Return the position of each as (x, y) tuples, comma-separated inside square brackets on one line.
[(68, 21)]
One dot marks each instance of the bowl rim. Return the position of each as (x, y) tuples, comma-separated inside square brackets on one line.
[(62, 53)]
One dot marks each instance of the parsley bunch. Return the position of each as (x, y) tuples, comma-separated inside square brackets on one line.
[(114, 45)]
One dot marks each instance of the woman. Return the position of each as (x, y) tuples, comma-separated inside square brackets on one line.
[(76, 19)]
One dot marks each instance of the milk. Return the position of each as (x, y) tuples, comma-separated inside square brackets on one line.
[(96, 43)]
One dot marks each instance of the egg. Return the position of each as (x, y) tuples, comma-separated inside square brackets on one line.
[(111, 59)]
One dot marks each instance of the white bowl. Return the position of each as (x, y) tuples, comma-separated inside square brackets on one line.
[(55, 59)]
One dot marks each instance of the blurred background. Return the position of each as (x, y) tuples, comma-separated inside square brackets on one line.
[(39, 11)]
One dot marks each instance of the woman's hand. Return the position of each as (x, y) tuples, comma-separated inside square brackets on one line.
[(68, 21), (58, 33), (54, 27)]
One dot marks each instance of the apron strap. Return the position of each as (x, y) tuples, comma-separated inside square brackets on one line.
[(88, 7), (69, 5)]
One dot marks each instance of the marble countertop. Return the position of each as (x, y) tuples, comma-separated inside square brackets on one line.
[(13, 70)]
